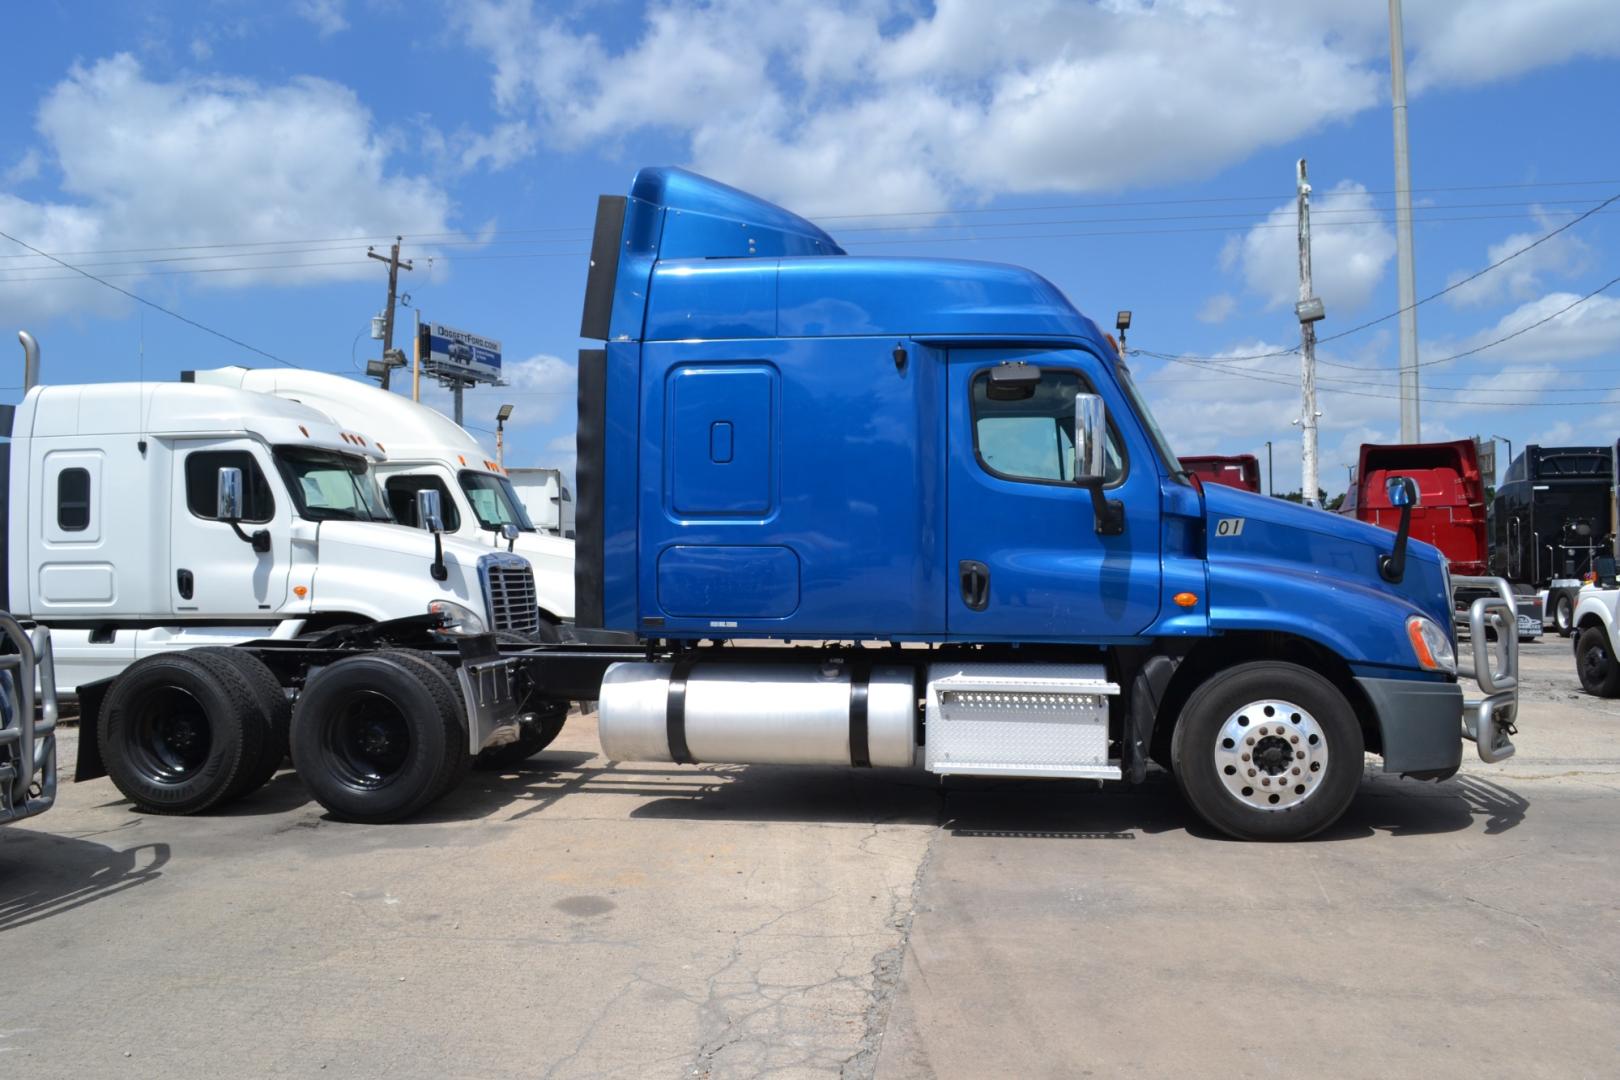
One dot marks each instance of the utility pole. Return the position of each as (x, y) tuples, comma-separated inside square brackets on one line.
[(1271, 485), (394, 267), (1309, 310), (1411, 428)]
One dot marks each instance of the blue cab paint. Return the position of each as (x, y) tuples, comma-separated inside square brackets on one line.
[(792, 451)]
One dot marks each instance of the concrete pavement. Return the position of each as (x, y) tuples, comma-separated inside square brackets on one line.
[(576, 918)]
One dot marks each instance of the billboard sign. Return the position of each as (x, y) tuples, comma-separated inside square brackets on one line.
[(457, 354)]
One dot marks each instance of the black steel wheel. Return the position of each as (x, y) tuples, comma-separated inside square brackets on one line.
[(182, 732), (1595, 663), (370, 737), (1267, 751)]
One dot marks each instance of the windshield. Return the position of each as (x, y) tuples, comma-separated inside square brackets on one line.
[(494, 502), (329, 486), (1160, 443)]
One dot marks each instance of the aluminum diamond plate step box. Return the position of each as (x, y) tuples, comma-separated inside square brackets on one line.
[(1048, 720)]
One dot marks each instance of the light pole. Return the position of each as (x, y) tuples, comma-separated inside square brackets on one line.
[(501, 417), (1510, 454), (1271, 487)]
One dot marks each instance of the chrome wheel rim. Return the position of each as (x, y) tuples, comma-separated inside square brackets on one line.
[(1271, 755)]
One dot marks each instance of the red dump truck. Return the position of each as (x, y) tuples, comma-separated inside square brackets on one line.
[(1451, 505), (1241, 471)]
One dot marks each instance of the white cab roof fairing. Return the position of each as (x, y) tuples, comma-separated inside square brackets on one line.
[(406, 428), (183, 409)]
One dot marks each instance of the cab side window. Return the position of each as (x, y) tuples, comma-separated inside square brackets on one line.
[(202, 484), (73, 500), (1032, 438), (402, 491)]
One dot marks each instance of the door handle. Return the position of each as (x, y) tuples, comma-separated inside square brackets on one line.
[(184, 582), (975, 584)]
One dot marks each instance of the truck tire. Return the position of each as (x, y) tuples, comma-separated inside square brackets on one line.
[(458, 757), (1564, 615), (181, 733), (1595, 663), (272, 701), (1267, 751), (534, 736), (372, 736)]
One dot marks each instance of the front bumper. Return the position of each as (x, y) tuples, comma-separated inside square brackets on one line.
[(1419, 721), (1494, 667)]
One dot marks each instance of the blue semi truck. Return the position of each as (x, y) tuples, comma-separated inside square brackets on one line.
[(909, 513)]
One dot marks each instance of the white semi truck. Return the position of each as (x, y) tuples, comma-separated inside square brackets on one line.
[(426, 451), (119, 542)]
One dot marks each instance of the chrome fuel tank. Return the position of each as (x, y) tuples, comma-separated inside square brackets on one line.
[(777, 714)]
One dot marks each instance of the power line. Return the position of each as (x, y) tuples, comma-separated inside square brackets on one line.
[(154, 306), (1419, 303)]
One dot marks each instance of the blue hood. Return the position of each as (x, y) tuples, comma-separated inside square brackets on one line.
[(1278, 565)]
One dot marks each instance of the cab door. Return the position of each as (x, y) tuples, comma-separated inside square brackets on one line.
[(1026, 561), (212, 571)]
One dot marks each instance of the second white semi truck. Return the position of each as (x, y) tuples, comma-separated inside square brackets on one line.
[(427, 451)]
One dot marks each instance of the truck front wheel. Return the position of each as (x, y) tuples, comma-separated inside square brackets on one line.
[(1267, 751), (372, 737), (1564, 615), (1595, 663)]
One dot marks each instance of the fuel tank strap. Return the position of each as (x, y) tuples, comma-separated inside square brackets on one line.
[(860, 685), (675, 713)]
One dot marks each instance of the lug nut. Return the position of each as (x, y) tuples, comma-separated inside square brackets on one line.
[(1293, 738), (1300, 754), (1245, 756), (1249, 741), (1252, 773), (1296, 770), (1266, 782)]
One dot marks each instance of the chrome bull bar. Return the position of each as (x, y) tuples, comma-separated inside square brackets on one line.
[(1492, 665), (27, 744)]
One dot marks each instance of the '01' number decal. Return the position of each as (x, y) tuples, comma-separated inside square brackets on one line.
[(1229, 526)]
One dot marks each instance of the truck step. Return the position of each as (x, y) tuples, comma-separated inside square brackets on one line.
[(1035, 720)]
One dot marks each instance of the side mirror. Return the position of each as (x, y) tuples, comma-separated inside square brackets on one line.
[(1091, 462), (228, 501), (509, 532), (1090, 439), (1402, 491), (429, 512)]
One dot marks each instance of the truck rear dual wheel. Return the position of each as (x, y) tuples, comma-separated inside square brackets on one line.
[(183, 732), (378, 736), (1267, 751), (1595, 663)]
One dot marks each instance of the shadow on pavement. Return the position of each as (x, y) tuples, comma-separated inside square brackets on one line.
[(42, 875)]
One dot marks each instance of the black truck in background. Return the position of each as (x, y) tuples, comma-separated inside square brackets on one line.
[(1552, 516)]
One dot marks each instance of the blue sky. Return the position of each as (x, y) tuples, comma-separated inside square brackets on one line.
[(233, 161)]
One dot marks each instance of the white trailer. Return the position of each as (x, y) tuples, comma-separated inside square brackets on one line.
[(546, 496), (426, 451), (120, 542)]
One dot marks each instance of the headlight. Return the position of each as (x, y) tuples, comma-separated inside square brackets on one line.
[(457, 618), (1431, 645)]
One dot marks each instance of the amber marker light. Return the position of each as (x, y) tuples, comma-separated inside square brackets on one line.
[(300, 591), (1186, 599)]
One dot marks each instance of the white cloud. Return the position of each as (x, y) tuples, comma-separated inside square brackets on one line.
[(542, 390), (1217, 308), (890, 105), (1350, 250), (1592, 328), (200, 161), (1522, 277), (325, 15), (22, 170)]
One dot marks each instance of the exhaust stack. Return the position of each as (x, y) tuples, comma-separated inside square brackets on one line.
[(30, 360)]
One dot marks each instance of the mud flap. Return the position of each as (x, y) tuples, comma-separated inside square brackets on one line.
[(88, 765)]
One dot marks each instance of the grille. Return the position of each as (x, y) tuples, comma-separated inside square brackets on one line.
[(513, 606)]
